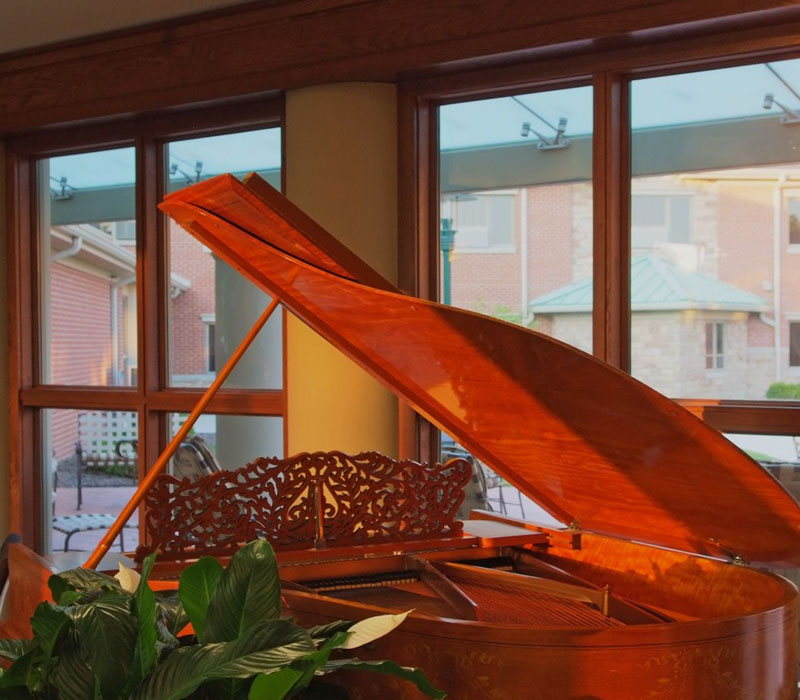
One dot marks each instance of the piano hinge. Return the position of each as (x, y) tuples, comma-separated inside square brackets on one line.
[(735, 559)]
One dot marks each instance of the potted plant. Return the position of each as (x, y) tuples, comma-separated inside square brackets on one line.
[(116, 639)]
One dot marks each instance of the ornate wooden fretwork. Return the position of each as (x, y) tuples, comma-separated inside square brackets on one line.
[(313, 499)]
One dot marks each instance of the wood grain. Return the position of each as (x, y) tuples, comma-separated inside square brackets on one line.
[(219, 56)]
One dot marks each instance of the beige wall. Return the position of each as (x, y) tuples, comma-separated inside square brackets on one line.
[(341, 168)]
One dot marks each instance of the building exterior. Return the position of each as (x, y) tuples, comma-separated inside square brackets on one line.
[(715, 276)]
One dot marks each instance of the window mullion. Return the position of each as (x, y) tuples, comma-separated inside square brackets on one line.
[(611, 176)]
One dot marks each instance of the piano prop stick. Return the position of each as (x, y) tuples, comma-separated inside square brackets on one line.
[(160, 464)]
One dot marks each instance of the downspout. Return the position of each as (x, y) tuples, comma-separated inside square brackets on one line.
[(523, 253), (74, 249), (115, 287)]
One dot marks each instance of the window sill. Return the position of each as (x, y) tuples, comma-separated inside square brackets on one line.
[(489, 250), (715, 373), (793, 248)]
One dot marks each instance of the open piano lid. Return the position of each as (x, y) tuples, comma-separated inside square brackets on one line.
[(587, 442)]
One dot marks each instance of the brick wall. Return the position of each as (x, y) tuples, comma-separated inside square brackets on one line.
[(191, 260), (80, 341)]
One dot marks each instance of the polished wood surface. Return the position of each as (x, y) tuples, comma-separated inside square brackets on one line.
[(707, 652), (535, 410)]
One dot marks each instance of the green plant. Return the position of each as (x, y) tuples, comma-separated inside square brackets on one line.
[(783, 390), (109, 639)]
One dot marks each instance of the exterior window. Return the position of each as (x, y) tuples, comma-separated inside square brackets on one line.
[(483, 221), (715, 345), (793, 205), (794, 344), (211, 364), (704, 272), (660, 219), (91, 322)]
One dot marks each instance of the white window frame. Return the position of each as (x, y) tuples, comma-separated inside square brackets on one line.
[(476, 232), (715, 358)]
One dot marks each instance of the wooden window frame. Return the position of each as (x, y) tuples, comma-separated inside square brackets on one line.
[(153, 399), (611, 74)]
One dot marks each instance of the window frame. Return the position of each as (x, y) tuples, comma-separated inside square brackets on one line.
[(715, 337), (610, 77), (794, 325), (153, 399)]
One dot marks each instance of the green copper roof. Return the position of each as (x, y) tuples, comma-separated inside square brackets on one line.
[(656, 285)]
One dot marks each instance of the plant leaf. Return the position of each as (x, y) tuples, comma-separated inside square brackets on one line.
[(107, 635), (71, 678), (278, 684), (47, 623), (268, 645), (372, 628), (145, 652), (81, 580), (12, 649), (22, 673), (320, 633), (171, 611), (413, 675), (196, 588), (249, 591), (289, 681)]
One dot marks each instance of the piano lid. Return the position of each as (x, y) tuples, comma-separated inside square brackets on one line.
[(589, 443)]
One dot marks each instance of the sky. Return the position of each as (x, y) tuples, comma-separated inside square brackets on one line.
[(687, 98), (240, 152)]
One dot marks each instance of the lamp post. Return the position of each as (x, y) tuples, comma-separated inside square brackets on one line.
[(447, 237)]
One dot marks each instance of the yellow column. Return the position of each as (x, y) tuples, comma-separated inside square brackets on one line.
[(341, 168)]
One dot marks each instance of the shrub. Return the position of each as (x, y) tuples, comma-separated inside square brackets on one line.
[(783, 390)]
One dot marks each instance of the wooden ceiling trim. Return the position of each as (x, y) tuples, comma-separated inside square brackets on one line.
[(257, 49)]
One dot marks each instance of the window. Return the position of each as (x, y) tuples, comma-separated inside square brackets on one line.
[(794, 344), (659, 218), (715, 345), (109, 284), (482, 221), (530, 207), (793, 205), (211, 364), (712, 170)]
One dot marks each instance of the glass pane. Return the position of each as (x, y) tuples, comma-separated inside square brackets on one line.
[(225, 442), (780, 455), (516, 210), (516, 233), (715, 270), (211, 305), (88, 271), (89, 474)]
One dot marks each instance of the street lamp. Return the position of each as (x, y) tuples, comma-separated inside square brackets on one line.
[(447, 238)]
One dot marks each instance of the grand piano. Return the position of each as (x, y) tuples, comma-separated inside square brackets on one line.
[(653, 588)]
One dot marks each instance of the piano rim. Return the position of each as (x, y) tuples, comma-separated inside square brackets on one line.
[(711, 628), (775, 614)]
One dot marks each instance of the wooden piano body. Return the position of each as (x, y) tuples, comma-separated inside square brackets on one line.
[(651, 590)]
